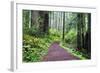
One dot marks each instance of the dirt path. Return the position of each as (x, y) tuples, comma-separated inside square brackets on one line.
[(56, 53)]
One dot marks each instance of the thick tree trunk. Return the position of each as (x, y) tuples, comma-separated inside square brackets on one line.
[(34, 15), (89, 32), (46, 23), (80, 31), (88, 36)]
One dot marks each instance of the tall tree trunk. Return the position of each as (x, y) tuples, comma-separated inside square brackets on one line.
[(46, 22), (63, 25), (79, 31), (83, 30), (89, 29), (30, 18), (34, 18), (88, 36)]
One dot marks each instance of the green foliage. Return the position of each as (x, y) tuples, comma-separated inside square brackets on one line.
[(38, 36), (75, 52), (33, 31), (26, 18), (34, 48), (71, 36), (55, 35), (30, 54), (54, 32), (70, 39)]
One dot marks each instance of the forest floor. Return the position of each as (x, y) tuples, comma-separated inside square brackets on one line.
[(57, 53)]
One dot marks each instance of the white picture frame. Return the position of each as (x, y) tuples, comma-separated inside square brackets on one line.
[(16, 52)]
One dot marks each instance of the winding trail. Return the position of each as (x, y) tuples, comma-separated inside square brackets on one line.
[(57, 53)]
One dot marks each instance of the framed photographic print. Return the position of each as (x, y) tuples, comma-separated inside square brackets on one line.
[(52, 36)]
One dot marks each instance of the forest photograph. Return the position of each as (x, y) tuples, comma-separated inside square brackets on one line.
[(55, 36)]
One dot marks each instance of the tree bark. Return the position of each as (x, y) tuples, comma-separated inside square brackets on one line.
[(79, 32), (63, 25)]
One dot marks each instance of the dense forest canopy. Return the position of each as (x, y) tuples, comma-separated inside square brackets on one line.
[(70, 29)]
